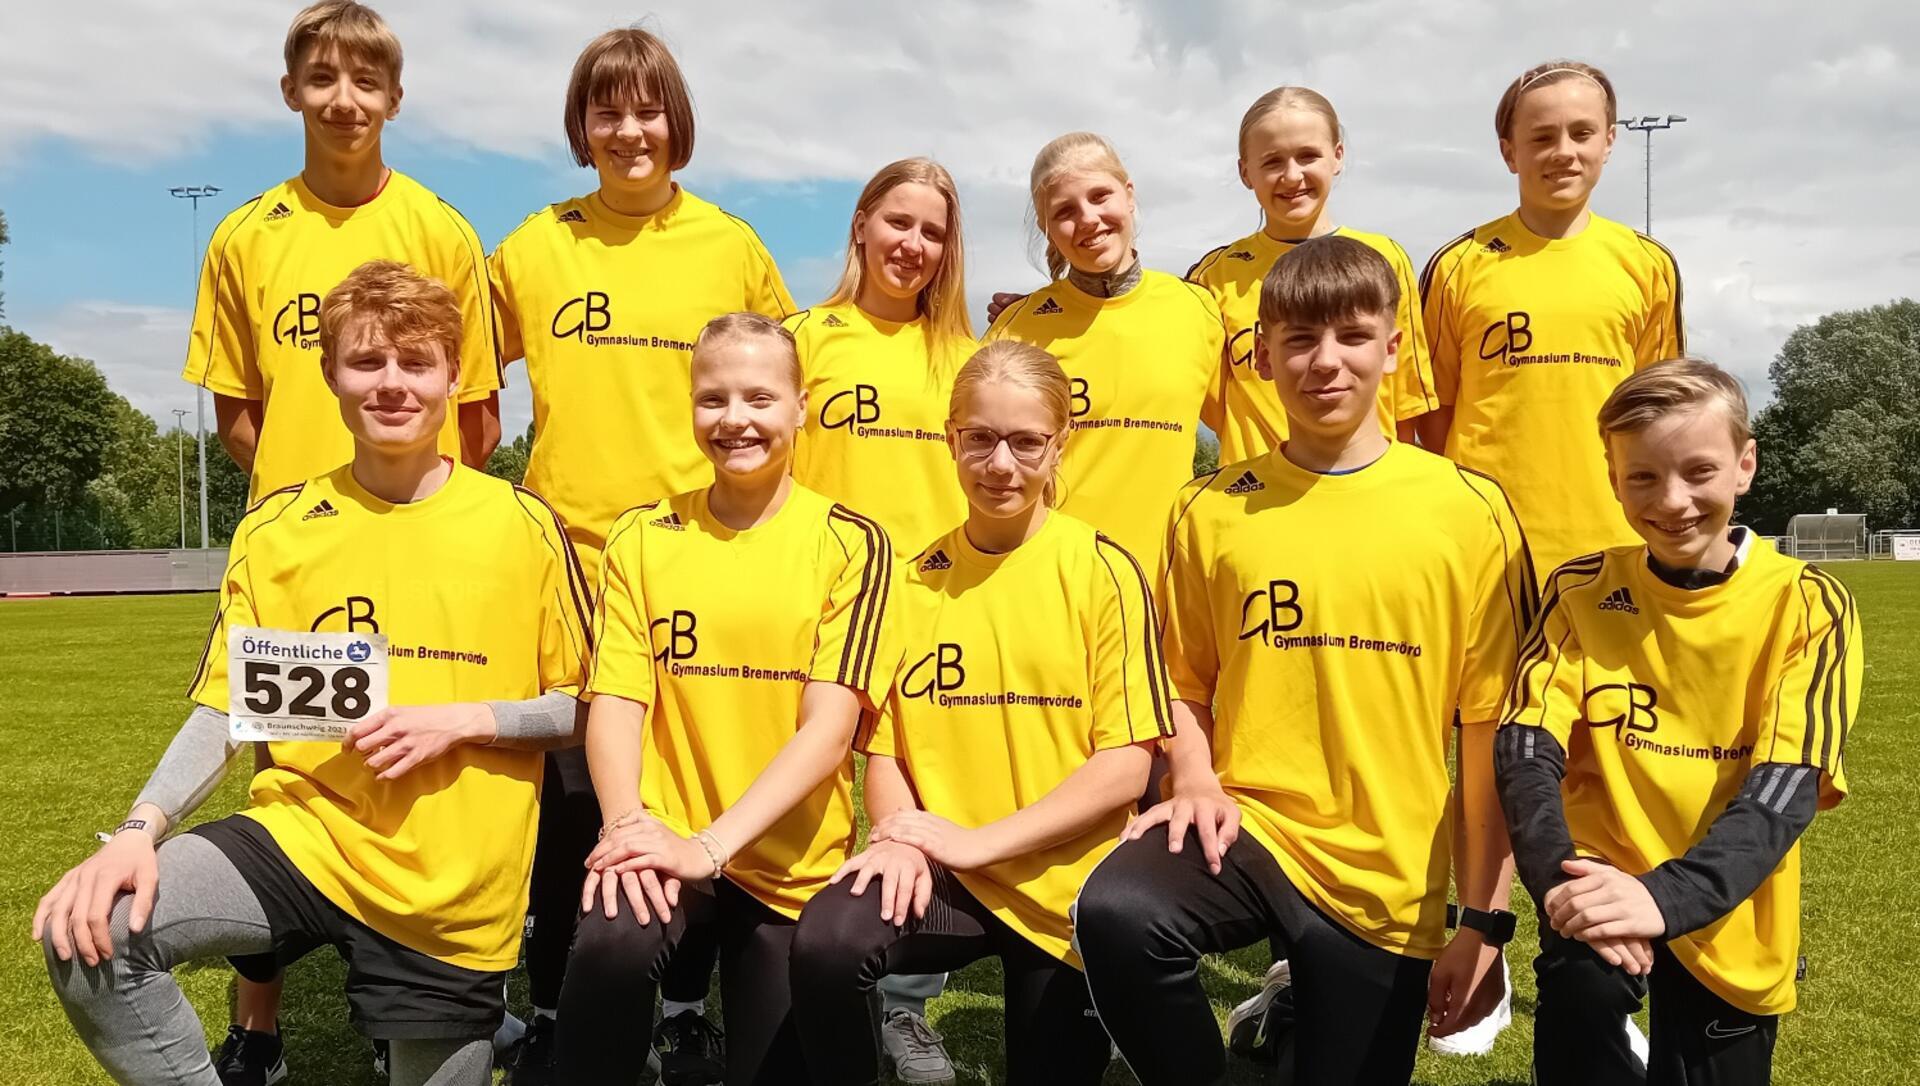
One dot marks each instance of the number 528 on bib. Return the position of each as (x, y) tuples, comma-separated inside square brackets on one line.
[(284, 685)]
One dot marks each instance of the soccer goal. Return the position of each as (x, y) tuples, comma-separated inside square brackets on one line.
[(1826, 537)]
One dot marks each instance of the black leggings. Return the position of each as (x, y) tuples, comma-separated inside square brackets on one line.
[(1694, 1038), (606, 1005), (1146, 916), (569, 825), (843, 948)]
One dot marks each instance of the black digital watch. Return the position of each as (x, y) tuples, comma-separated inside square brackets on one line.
[(1496, 927)]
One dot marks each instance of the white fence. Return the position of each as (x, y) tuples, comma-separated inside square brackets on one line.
[(86, 573)]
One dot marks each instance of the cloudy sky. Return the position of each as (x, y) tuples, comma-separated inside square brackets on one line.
[(1781, 196)]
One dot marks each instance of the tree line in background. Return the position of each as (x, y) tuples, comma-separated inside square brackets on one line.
[(82, 469)]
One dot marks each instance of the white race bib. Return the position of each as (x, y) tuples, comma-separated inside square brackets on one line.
[(286, 685)]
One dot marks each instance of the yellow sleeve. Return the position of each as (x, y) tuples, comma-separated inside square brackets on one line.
[(766, 291), (464, 271), (622, 639), (1213, 410), (565, 600), (506, 322), (209, 684), (1130, 700), (1663, 337), (1413, 390), (1187, 627), (221, 352), (1438, 320), (1546, 691), (1816, 696), (1503, 609), (856, 642), (878, 733)]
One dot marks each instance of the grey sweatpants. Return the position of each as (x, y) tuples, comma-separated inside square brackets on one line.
[(131, 1014)]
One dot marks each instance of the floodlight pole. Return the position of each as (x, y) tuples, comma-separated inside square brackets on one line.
[(197, 193), (180, 457), (1649, 125)]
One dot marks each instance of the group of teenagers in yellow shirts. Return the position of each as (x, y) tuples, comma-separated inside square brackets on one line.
[(1113, 718)]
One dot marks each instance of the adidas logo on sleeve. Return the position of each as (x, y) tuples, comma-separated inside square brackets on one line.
[(280, 211), (833, 321), (936, 560), (1497, 246), (1240, 254), (1245, 484), (573, 214), (324, 509), (1047, 308), (1619, 600), (671, 522)]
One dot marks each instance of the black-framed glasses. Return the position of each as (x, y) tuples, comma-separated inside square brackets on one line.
[(1027, 446)]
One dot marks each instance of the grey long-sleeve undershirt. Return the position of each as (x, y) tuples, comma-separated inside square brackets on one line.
[(1742, 846), (198, 757)]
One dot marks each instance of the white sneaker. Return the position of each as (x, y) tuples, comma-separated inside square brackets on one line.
[(1247, 1033), (1477, 1039), (918, 1054), (1637, 1041)]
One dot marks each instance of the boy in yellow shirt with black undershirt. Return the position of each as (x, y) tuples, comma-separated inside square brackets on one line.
[(1680, 713), (406, 846), (256, 320), (1314, 710)]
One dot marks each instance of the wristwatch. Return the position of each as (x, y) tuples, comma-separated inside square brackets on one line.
[(1496, 927)]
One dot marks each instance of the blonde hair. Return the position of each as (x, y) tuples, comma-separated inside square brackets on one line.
[(1546, 75), (1075, 152), (1668, 388), (406, 308), (943, 301), (1010, 362), (735, 327), (356, 30), (1281, 98), (629, 66)]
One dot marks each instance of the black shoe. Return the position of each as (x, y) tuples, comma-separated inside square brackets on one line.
[(250, 1058), (533, 1060), (690, 1051)]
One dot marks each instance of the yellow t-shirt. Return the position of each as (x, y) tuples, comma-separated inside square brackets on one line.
[(875, 436), (438, 859), (1018, 667), (1142, 366), (256, 321), (717, 631), (1334, 656), (605, 308), (1529, 336), (1664, 699), (1255, 421)]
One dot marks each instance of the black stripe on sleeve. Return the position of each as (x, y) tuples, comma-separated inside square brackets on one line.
[(869, 608), (1827, 692), (577, 586), (1522, 604), (483, 282), (1205, 262), (219, 266), (292, 495), (1574, 574), (760, 251), (1433, 263), (1679, 291), (1157, 682)]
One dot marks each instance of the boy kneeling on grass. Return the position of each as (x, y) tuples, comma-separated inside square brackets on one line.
[(406, 845), (1679, 715)]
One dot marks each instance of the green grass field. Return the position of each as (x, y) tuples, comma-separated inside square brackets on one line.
[(90, 693)]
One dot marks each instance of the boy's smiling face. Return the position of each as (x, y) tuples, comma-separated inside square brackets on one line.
[(344, 99), (1677, 481)]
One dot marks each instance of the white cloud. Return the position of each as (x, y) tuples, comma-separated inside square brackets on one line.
[(140, 349), (1784, 196)]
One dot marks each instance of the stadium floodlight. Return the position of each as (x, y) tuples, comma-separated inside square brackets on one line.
[(197, 193), (180, 456), (1649, 124)]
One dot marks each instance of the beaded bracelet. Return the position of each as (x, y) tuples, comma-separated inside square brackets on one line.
[(624, 818), (716, 852)]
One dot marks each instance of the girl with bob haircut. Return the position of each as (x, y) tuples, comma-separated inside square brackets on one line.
[(602, 295), (1536, 316), (1291, 150), (741, 631), (996, 779), (1141, 349)]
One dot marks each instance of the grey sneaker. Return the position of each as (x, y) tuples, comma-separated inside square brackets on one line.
[(918, 1054)]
